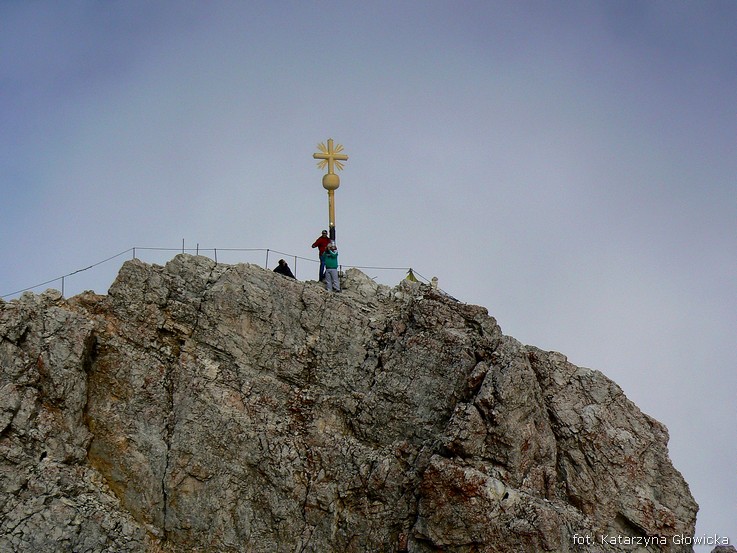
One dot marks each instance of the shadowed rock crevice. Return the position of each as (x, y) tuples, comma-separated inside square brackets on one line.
[(205, 407)]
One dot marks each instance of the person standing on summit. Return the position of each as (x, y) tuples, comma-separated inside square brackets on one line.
[(332, 281), (322, 244)]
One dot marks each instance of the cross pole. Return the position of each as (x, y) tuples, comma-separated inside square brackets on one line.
[(331, 157)]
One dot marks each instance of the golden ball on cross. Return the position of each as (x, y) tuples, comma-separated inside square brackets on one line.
[(330, 181)]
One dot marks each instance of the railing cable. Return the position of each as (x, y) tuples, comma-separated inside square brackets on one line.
[(198, 250)]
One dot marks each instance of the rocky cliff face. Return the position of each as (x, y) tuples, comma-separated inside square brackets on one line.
[(206, 407)]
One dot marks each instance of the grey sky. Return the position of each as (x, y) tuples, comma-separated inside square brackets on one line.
[(570, 166)]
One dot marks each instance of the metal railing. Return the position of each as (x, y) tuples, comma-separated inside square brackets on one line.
[(201, 251)]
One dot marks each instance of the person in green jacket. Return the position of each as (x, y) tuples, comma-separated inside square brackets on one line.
[(331, 267)]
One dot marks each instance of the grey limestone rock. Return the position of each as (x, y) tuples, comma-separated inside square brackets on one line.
[(209, 407)]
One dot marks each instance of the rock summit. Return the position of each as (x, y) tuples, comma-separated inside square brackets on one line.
[(224, 408)]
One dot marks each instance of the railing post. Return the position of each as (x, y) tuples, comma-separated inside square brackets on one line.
[(267, 259), (216, 254), (62, 287)]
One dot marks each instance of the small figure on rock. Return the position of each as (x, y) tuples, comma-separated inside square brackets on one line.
[(283, 269), (331, 268), (321, 244)]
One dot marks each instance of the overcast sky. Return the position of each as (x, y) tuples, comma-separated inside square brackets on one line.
[(571, 166)]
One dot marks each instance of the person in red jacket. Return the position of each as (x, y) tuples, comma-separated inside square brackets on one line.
[(322, 244)]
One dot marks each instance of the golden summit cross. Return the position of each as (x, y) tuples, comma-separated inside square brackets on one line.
[(331, 158)]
